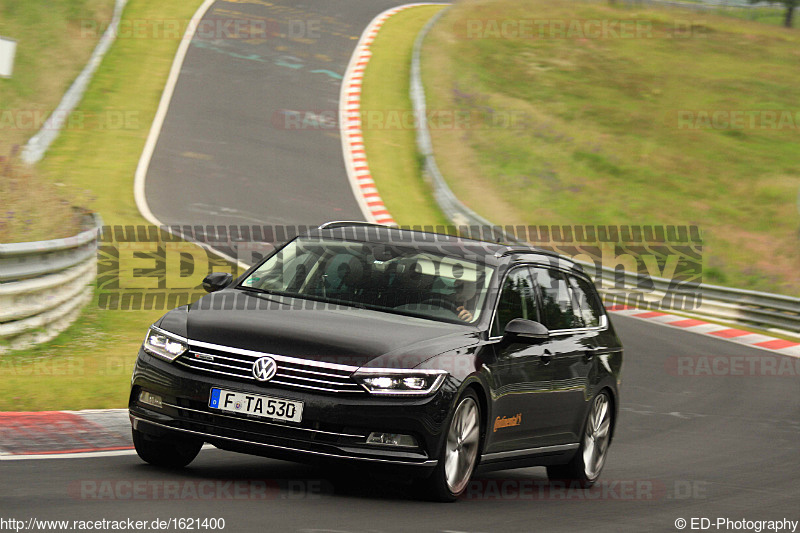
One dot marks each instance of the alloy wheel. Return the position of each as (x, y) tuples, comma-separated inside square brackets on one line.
[(461, 449)]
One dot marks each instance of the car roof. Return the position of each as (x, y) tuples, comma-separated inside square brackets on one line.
[(494, 253)]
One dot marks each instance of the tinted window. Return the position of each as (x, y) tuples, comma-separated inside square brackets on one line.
[(382, 276), (587, 304), (556, 300), (516, 300)]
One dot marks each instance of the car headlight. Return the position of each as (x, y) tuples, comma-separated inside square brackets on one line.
[(400, 382), (164, 345)]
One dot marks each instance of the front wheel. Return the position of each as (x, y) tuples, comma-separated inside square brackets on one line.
[(165, 452), (586, 465), (460, 454)]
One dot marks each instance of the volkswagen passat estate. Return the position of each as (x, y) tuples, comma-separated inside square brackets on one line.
[(429, 354)]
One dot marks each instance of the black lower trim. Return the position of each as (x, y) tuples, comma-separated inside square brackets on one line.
[(149, 426)]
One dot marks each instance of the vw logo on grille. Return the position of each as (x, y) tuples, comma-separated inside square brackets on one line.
[(265, 368)]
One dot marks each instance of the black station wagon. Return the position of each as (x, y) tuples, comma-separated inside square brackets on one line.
[(433, 355)]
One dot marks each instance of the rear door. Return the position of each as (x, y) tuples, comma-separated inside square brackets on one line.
[(566, 312)]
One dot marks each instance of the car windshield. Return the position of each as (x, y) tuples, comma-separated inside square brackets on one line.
[(387, 277)]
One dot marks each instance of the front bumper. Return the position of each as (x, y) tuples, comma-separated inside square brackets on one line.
[(334, 426)]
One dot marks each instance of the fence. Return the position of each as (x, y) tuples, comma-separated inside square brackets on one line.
[(44, 285)]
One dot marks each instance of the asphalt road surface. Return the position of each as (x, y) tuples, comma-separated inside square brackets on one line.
[(688, 446), (230, 150)]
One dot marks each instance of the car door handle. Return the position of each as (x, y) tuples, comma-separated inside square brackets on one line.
[(546, 357)]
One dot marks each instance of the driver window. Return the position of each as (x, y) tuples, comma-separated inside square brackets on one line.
[(516, 300)]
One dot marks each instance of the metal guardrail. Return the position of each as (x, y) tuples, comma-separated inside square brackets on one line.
[(756, 309), (37, 145), (44, 285), (699, 5)]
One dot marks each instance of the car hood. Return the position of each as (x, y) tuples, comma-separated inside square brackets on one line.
[(317, 331)]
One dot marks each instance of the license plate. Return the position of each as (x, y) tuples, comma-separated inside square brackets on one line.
[(253, 404)]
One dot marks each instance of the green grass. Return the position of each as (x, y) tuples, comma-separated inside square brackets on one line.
[(52, 48), (89, 365), (26, 217), (599, 131), (764, 15), (387, 122)]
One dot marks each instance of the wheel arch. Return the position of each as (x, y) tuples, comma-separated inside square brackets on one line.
[(483, 403), (612, 397)]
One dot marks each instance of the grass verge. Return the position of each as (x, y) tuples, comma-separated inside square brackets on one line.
[(27, 217), (53, 45), (89, 365), (692, 122), (388, 122)]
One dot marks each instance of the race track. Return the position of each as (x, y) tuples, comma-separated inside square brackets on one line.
[(229, 152), (687, 446)]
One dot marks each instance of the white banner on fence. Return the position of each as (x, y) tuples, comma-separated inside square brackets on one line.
[(8, 47)]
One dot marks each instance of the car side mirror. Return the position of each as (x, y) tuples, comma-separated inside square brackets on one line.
[(217, 281), (521, 330)]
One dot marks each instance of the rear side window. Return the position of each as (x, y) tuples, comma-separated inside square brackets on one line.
[(587, 303), (516, 300), (555, 296)]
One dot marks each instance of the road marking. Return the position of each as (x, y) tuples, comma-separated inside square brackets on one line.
[(81, 455), (358, 174), (720, 332), (155, 132)]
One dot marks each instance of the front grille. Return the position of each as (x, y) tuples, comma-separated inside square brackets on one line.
[(292, 373)]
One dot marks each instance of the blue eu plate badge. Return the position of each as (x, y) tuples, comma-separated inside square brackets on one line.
[(214, 398)]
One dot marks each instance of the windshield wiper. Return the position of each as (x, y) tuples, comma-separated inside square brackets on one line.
[(264, 292)]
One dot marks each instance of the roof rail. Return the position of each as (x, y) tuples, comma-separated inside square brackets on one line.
[(350, 223), (575, 266), (534, 250), (529, 250)]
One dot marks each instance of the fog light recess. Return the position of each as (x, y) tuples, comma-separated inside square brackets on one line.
[(392, 439), (149, 398)]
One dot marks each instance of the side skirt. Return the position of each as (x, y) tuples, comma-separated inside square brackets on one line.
[(543, 456)]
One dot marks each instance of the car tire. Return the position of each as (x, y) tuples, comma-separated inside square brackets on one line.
[(166, 452), (459, 454), (586, 465)]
